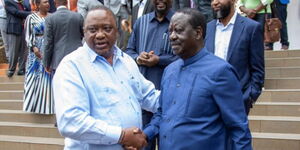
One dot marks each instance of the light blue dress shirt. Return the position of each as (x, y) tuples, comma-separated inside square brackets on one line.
[(223, 36), (94, 100)]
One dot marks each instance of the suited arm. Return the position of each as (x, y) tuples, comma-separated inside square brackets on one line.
[(257, 62), (10, 8), (82, 7), (227, 95), (48, 43)]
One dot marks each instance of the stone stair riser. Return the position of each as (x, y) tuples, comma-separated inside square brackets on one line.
[(50, 132), (274, 126), (28, 146), (27, 117), (11, 105), (282, 83), (279, 96), (275, 110), (275, 144), (282, 72)]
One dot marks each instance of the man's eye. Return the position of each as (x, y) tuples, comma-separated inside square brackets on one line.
[(178, 30), (92, 29), (107, 29)]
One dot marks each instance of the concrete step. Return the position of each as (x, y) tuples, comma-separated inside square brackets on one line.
[(274, 124), (11, 104), (11, 95), (29, 129), (282, 62), (12, 79), (282, 83), (280, 95), (8, 142), (11, 85), (275, 141), (282, 72), (21, 116), (282, 54), (276, 109)]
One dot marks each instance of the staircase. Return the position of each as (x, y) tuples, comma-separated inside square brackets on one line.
[(275, 119), (20, 130)]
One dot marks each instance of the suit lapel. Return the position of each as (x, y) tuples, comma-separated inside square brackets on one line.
[(211, 36), (147, 5), (235, 36)]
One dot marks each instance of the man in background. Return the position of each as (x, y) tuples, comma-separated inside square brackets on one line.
[(63, 34), (239, 41), (16, 15)]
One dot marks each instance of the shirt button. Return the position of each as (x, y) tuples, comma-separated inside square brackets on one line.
[(129, 97), (174, 102), (183, 68), (178, 84), (168, 120), (165, 136), (121, 82)]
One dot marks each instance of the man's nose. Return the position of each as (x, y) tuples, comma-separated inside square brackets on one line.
[(100, 34)]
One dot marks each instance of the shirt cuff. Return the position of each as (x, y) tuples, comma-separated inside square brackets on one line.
[(114, 134), (150, 133)]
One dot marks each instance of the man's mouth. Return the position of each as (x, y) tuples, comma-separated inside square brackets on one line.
[(101, 45)]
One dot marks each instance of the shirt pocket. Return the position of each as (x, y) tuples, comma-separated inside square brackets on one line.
[(107, 95)]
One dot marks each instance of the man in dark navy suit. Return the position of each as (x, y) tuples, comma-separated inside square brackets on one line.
[(16, 14), (238, 40)]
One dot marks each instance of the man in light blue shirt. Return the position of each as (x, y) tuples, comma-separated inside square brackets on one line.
[(99, 91)]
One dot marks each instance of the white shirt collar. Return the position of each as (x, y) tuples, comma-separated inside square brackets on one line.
[(232, 20)]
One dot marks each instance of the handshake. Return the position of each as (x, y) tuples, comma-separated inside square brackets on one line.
[(133, 139)]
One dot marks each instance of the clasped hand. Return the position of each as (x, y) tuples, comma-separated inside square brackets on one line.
[(133, 139), (147, 59)]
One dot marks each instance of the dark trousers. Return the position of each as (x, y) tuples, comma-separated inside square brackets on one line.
[(282, 15), (17, 51), (146, 119), (260, 18)]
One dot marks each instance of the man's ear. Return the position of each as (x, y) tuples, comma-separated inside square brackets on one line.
[(199, 33)]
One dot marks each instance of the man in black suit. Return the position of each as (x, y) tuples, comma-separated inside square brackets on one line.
[(16, 13), (144, 7)]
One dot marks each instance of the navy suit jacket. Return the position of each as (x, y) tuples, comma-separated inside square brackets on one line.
[(15, 17), (135, 10), (245, 54)]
